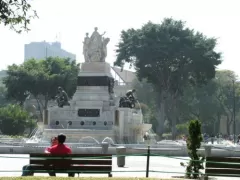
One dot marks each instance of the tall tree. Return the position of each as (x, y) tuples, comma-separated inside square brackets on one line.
[(171, 57), (228, 91), (201, 103), (41, 79), (16, 14)]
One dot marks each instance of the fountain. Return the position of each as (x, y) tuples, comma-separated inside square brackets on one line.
[(93, 115)]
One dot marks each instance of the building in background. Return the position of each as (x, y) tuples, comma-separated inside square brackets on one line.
[(41, 50)]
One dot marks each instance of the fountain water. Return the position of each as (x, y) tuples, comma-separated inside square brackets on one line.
[(87, 138), (108, 140)]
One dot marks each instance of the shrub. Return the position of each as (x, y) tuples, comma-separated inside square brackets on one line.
[(13, 119), (193, 144)]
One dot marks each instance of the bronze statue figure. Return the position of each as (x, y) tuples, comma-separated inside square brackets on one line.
[(62, 98), (128, 100)]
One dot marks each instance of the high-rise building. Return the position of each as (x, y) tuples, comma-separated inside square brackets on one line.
[(41, 50)]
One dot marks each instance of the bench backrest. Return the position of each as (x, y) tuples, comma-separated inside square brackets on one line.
[(71, 159), (229, 166)]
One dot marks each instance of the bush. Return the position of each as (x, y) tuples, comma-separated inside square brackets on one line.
[(13, 119), (193, 144)]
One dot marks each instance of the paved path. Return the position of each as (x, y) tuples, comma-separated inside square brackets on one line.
[(169, 167)]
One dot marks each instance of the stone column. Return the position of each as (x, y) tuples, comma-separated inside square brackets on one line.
[(121, 151), (105, 146)]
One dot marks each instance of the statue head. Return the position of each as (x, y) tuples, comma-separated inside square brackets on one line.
[(87, 34), (134, 90), (60, 88), (95, 28)]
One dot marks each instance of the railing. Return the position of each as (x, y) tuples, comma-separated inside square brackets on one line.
[(149, 155)]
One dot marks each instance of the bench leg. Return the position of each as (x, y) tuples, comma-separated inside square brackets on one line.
[(27, 171), (109, 174)]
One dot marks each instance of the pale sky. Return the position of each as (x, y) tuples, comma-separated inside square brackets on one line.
[(73, 18)]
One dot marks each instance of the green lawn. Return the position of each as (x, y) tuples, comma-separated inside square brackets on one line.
[(82, 178)]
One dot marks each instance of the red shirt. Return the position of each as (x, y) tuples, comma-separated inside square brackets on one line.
[(60, 149)]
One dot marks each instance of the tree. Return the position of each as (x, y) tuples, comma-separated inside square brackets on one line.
[(41, 79), (228, 91), (3, 98), (212, 102), (201, 103), (16, 14), (13, 120), (171, 57)]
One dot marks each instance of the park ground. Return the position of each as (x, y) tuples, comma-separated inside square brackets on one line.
[(66, 178)]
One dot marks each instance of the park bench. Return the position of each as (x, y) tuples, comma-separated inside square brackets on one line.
[(73, 163), (222, 166)]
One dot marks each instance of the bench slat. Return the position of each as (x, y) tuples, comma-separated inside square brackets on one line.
[(222, 172), (72, 161), (73, 168), (99, 156), (224, 159), (222, 165)]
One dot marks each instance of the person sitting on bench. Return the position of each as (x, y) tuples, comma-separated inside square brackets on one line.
[(60, 149)]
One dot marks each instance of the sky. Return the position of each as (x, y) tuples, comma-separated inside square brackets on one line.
[(71, 19)]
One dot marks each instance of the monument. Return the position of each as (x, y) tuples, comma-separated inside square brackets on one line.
[(94, 111)]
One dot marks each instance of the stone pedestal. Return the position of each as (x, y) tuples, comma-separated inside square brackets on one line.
[(95, 69)]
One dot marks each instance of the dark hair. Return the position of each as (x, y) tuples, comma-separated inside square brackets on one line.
[(61, 138)]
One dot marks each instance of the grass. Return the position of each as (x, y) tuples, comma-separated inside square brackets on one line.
[(82, 178)]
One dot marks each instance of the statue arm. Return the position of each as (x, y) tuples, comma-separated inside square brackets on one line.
[(103, 33)]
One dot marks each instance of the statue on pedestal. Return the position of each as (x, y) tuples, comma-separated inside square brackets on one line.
[(62, 98), (95, 47), (128, 100)]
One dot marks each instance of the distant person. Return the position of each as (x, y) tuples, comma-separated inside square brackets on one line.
[(60, 149), (238, 139)]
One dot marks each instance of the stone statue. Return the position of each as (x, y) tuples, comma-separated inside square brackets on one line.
[(85, 48), (95, 47), (62, 98), (104, 49)]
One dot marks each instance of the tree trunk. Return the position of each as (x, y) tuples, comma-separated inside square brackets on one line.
[(46, 103), (40, 108), (228, 127), (45, 111), (161, 117), (174, 119)]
